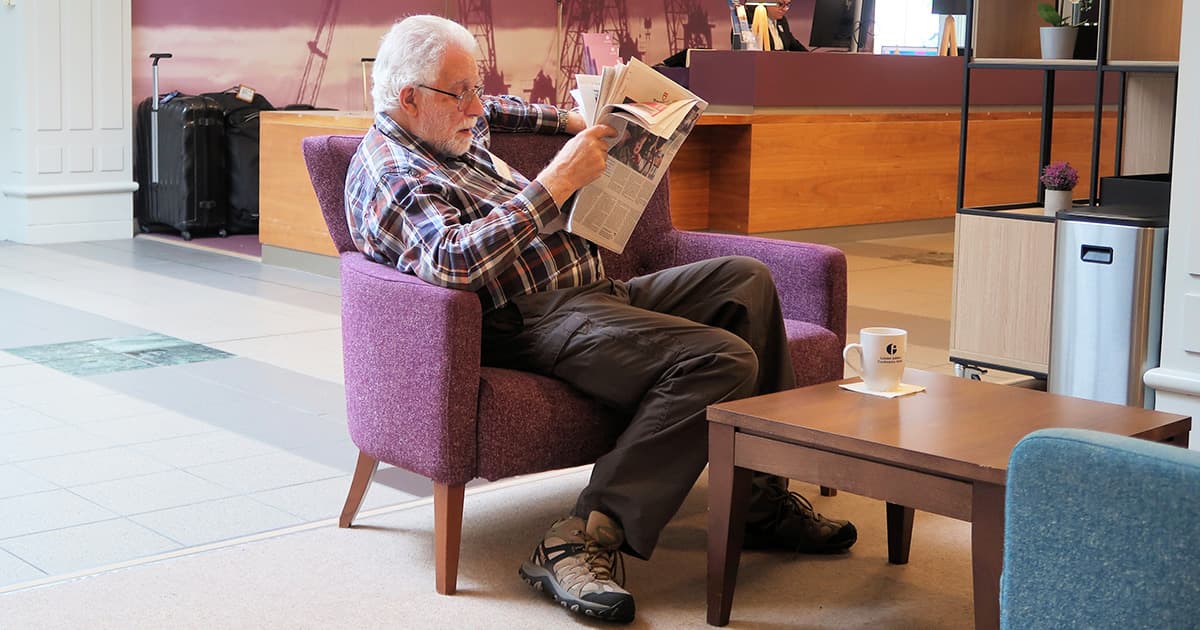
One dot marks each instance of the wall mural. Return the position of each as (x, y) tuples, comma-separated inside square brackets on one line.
[(310, 51)]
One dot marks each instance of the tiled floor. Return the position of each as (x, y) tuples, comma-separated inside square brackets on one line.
[(154, 397)]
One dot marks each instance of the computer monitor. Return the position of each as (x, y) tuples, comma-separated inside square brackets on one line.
[(949, 7), (833, 24)]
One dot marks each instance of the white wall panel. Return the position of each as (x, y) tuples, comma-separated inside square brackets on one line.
[(1194, 245), (1178, 378), (78, 58), (1191, 313), (14, 157), (65, 169), (79, 159), (49, 160), (112, 158), (112, 64), (47, 64)]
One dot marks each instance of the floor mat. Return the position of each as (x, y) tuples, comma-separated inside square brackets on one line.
[(103, 356)]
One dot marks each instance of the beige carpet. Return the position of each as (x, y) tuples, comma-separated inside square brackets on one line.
[(380, 575)]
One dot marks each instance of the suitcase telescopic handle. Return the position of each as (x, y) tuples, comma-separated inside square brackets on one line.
[(157, 57), (154, 118)]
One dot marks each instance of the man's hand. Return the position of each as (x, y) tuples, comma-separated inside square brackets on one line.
[(580, 162)]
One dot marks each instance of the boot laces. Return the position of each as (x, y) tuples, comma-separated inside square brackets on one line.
[(605, 563), (795, 503)]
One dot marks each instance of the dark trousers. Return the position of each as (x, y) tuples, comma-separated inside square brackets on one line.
[(661, 347)]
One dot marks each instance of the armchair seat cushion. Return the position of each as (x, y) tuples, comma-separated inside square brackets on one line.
[(529, 423)]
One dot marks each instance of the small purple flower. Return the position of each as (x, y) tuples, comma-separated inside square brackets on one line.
[(1059, 176)]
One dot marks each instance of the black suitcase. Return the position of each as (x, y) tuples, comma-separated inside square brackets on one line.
[(241, 156), (181, 163)]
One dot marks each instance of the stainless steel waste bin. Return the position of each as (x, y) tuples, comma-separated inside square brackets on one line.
[(1106, 313)]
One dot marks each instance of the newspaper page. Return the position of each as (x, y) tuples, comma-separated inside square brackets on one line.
[(653, 115)]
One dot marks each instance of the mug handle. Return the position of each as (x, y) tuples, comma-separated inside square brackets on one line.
[(846, 352)]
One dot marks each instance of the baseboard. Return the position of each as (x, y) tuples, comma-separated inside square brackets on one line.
[(867, 232), (303, 261)]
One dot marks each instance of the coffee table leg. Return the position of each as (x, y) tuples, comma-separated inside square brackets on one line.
[(899, 532), (987, 552), (728, 494)]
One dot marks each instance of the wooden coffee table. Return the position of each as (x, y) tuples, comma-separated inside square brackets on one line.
[(944, 450)]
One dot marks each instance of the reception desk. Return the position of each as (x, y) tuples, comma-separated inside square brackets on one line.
[(792, 141)]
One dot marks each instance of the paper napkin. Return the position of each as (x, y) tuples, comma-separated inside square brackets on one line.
[(901, 390)]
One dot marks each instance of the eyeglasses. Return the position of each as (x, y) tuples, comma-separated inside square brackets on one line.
[(477, 91)]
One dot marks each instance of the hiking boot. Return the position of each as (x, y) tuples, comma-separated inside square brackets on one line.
[(793, 525), (579, 565)]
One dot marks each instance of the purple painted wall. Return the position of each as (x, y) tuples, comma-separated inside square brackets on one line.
[(290, 51)]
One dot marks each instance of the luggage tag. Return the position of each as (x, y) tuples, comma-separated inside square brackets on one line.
[(245, 94)]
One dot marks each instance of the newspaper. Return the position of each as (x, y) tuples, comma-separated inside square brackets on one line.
[(653, 116)]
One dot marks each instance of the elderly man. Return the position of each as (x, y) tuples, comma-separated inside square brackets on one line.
[(424, 194)]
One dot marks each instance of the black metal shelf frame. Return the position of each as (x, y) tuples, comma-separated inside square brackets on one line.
[(1049, 70)]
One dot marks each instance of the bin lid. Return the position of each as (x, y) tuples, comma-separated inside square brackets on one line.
[(1135, 216)]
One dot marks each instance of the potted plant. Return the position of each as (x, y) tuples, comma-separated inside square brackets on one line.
[(1058, 39), (1059, 179)]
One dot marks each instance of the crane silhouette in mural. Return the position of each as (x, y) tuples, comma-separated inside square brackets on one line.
[(591, 16), (318, 55), (687, 25), (476, 16)]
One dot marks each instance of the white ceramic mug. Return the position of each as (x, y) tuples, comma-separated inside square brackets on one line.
[(880, 357)]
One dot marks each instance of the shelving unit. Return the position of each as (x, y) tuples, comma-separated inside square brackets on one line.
[(1004, 254)]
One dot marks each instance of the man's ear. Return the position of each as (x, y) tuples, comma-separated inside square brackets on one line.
[(408, 100)]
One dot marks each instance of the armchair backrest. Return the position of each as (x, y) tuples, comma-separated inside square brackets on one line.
[(651, 247), (328, 161), (1100, 531)]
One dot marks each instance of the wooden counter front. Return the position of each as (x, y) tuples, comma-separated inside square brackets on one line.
[(289, 216), (822, 168)]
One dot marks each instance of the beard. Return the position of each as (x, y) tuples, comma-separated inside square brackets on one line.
[(441, 132)]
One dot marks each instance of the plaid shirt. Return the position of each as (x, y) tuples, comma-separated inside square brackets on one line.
[(457, 222)]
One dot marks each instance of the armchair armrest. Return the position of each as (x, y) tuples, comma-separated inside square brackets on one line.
[(411, 354), (811, 278)]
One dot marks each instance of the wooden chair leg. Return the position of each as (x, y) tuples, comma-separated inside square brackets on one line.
[(364, 471), (447, 534)]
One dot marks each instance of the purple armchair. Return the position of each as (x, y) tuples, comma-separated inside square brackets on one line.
[(418, 398)]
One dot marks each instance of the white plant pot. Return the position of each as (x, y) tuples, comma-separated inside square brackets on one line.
[(1058, 42), (1057, 200)]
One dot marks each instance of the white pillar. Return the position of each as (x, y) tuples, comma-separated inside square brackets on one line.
[(66, 171), (1177, 380)]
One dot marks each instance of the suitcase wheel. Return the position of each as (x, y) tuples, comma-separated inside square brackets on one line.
[(187, 236), (223, 233), (143, 228)]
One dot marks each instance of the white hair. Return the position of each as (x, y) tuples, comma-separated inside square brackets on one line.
[(411, 53)]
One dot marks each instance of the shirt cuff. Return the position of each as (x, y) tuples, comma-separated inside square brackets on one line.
[(540, 204), (547, 118)]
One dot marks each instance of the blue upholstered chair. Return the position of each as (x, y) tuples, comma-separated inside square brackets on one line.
[(1101, 531)]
